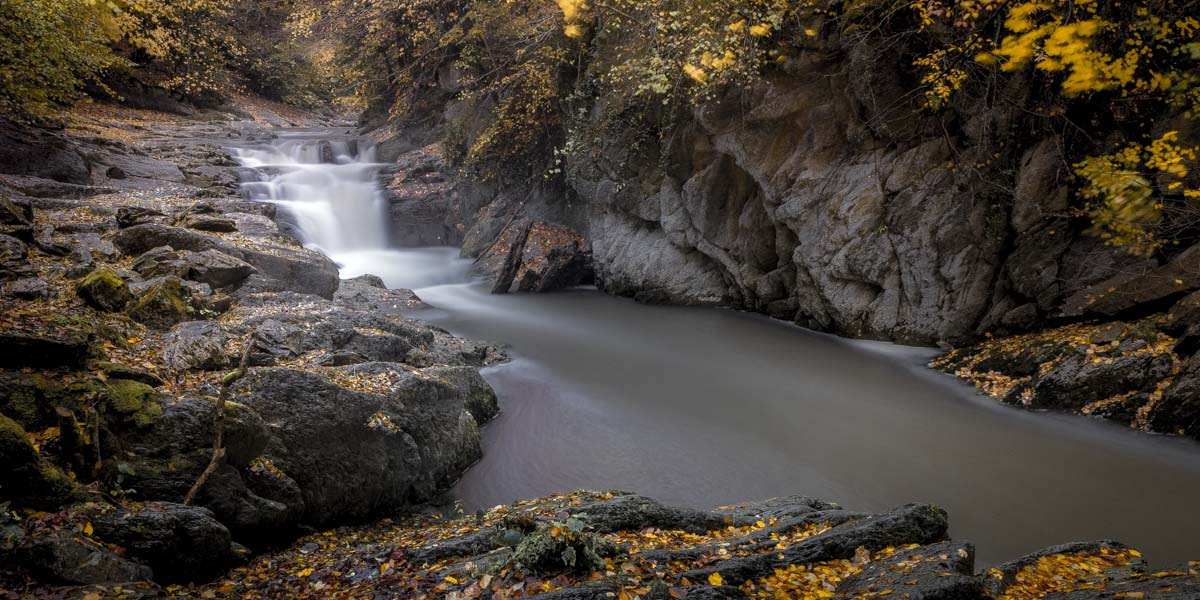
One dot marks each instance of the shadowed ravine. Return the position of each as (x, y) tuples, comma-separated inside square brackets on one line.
[(707, 407)]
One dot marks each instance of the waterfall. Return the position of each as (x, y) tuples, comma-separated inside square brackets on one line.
[(328, 188)]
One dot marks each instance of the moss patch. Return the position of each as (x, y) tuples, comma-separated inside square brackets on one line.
[(25, 476), (161, 306), (135, 402), (104, 290)]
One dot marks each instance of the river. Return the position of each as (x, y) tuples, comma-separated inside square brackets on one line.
[(704, 407)]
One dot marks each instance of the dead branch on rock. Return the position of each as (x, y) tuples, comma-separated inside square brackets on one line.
[(218, 452)]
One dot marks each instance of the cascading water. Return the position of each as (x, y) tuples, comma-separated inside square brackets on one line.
[(328, 187)]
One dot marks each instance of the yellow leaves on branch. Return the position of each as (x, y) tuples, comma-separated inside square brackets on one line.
[(573, 14)]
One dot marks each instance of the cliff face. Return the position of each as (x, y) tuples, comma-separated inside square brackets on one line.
[(822, 196)]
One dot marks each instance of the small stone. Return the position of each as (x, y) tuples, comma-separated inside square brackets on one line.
[(104, 290)]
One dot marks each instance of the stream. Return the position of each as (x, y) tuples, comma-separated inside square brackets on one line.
[(704, 407)]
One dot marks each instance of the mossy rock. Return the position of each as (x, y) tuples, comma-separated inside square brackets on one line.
[(559, 547), (26, 477), (104, 290), (162, 306), (30, 399), (135, 402)]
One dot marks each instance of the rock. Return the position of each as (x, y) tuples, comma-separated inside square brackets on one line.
[(1000, 579), (162, 261), (216, 268), (553, 258), (195, 345), (65, 558), (370, 280), (14, 259), (1077, 381), (210, 223), (180, 543), (104, 290), (293, 269), (354, 452), (274, 341), (913, 523), (129, 216), (26, 478), (1179, 409), (118, 371), (39, 153), (942, 571), (161, 306), (512, 259), (1183, 322), (19, 349), (30, 288), (115, 173), (1141, 291)]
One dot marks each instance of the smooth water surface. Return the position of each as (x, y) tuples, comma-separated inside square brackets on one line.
[(707, 407)]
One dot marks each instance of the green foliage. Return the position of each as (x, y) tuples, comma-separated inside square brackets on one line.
[(559, 546), (49, 49)]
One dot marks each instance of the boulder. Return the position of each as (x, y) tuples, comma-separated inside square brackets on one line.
[(161, 306), (14, 259), (1077, 381), (104, 290), (354, 452), (64, 557), (162, 261), (195, 345), (554, 257), (180, 543), (216, 268), (1119, 564)]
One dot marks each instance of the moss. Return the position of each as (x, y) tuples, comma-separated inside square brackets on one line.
[(136, 402), (27, 478), (104, 290), (161, 306), (558, 547)]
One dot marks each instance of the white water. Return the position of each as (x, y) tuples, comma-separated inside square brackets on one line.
[(709, 407)]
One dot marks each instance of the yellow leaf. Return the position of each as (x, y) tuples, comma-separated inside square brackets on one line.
[(304, 572), (1135, 552), (716, 579), (451, 580), (87, 528)]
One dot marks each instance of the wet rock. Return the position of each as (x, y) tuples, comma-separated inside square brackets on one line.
[(26, 478), (180, 543), (195, 345), (104, 290), (942, 571), (30, 288), (161, 306), (216, 268), (14, 259), (63, 557)]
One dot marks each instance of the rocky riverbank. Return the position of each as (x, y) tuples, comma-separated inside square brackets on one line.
[(601, 545), (134, 277)]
